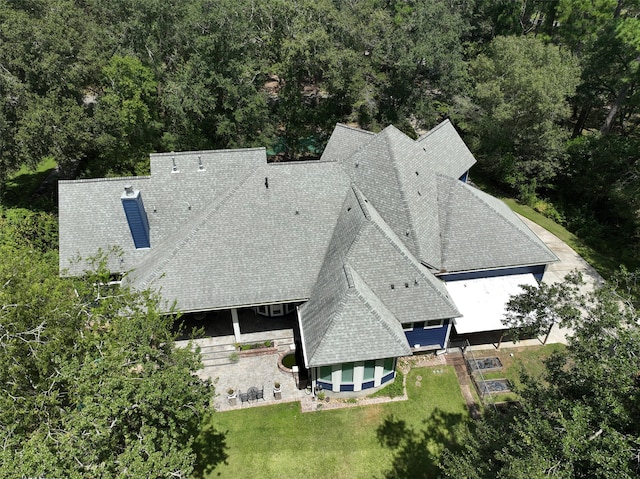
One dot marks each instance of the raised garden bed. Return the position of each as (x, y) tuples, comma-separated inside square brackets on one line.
[(256, 349), (485, 364), (493, 386)]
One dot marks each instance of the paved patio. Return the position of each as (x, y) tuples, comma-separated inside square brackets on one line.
[(254, 371)]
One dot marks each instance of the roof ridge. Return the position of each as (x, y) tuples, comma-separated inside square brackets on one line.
[(434, 129), (404, 194), (359, 130), (105, 180), (361, 200), (195, 152), (201, 220)]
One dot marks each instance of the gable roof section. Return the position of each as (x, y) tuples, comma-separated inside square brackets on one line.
[(446, 151), (363, 245), (256, 245), (481, 232), (407, 287), (91, 214), (393, 173), (343, 142)]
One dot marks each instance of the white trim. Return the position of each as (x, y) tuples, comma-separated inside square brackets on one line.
[(304, 350), (439, 325)]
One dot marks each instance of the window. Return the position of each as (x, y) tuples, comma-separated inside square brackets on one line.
[(388, 365), (325, 374), (435, 323), (369, 370), (277, 310), (347, 373)]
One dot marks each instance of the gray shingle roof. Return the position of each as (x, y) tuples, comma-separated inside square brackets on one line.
[(343, 142), (360, 328), (91, 214), (393, 173), (446, 151), (393, 284), (340, 233), (481, 232), (255, 245)]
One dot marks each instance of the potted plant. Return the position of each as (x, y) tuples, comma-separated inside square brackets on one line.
[(232, 396), (277, 392)]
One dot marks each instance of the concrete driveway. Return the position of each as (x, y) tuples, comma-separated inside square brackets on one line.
[(569, 261)]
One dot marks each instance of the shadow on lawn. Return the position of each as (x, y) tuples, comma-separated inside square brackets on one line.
[(36, 191), (416, 452), (210, 447)]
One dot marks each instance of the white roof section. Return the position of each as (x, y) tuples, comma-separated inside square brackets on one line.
[(482, 302)]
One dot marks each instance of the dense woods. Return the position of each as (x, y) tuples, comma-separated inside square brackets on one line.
[(91, 384), (544, 92)]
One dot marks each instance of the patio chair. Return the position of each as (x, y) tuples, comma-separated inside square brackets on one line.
[(260, 394), (244, 397)]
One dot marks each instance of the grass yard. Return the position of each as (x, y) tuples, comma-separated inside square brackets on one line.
[(529, 359), (279, 441), (22, 185), (603, 264)]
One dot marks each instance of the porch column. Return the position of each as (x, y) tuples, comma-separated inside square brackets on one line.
[(236, 324)]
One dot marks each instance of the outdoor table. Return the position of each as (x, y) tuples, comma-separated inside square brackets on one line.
[(253, 393)]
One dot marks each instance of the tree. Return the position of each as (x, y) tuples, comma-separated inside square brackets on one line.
[(519, 105), (91, 383), (582, 417), (538, 308), (606, 37), (125, 121)]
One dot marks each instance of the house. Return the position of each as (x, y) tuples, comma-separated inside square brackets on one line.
[(381, 247)]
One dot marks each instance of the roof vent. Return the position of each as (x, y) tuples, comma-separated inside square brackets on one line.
[(357, 165), (406, 285), (393, 286), (174, 168), (200, 165), (266, 182), (136, 217)]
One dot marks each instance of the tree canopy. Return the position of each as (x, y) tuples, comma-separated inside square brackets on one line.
[(581, 418), (91, 383)]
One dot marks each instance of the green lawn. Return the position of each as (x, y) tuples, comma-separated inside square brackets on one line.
[(279, 441), (22, 185), (517, 360)]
